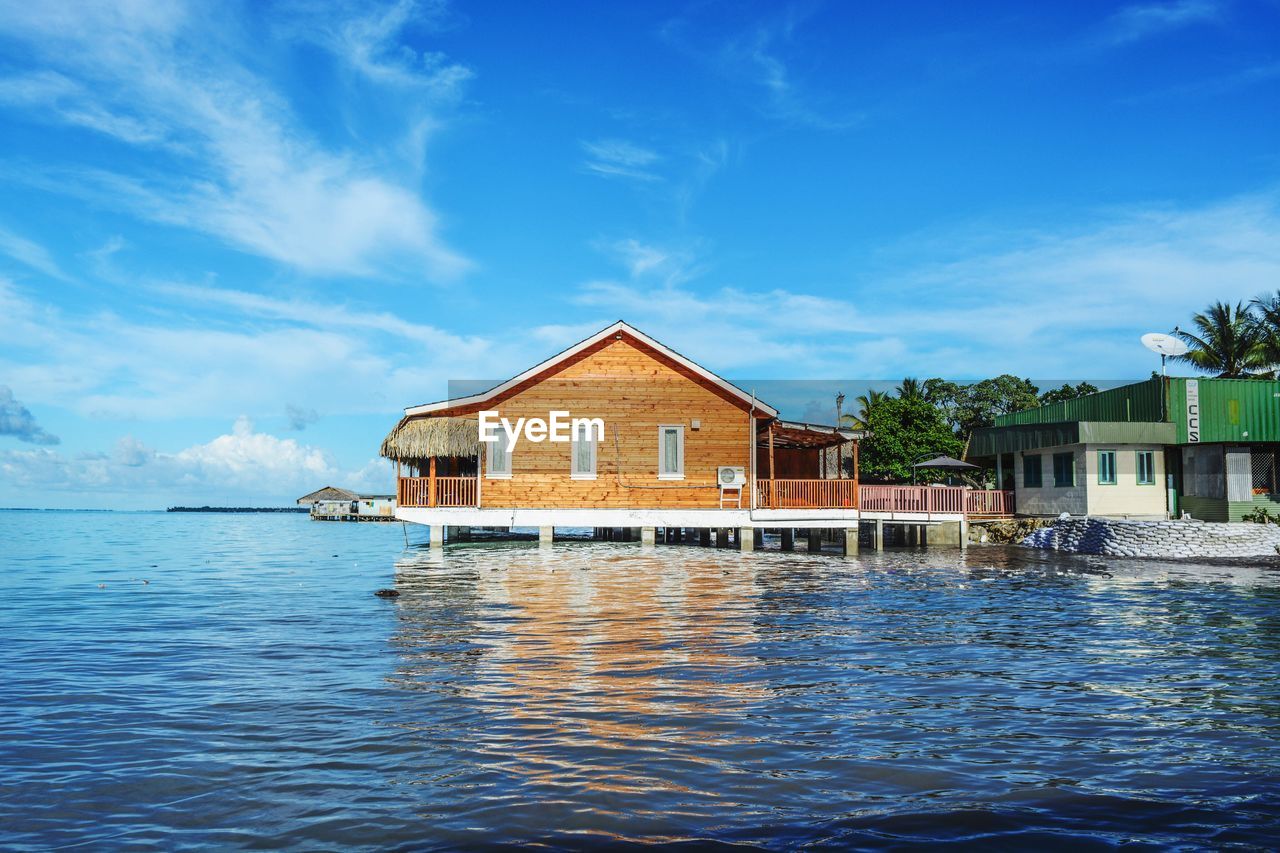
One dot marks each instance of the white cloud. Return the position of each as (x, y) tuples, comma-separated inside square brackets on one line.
[(618, 158), (247, 458), (17, 421), (1144, 20), (761, 57), (993, 300), (242, 467), (177, 82), (201, 352), (367, 37), (31, 254)]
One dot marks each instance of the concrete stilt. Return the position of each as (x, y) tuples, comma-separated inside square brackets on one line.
[(647, 536), (964, 534), (879, 534), (546, 535), (851, 541), (815, 540), (746, 539), (788, 539), (437, 536)]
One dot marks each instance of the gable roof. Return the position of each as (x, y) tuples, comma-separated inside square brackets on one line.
[(618, 328), (328, 493)]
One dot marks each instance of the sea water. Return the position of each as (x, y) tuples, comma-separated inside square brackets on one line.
[(195, 680)]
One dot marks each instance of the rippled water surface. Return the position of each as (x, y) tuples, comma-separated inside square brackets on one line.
[(256, 693)]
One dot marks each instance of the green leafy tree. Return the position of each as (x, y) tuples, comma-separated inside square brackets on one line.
[(945, 396), (1067, 392), (902, 431), (979, 404), (1228, 341)]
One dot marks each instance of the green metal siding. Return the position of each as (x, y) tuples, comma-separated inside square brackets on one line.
[(993, 440), (1143, 401), (1229, 408)]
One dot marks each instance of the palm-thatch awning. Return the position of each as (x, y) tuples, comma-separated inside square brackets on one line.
[(422, 438)]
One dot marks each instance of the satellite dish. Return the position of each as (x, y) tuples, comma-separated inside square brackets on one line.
[(1164, 345)]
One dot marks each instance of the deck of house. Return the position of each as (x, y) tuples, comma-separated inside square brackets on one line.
[(868, 501)]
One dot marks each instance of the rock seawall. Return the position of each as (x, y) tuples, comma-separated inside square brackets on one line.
[(1182, 538)]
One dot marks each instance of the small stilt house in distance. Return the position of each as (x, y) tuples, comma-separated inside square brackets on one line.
[(334, 504)]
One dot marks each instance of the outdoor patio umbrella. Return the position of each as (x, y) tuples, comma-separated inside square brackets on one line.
[(946, 463)]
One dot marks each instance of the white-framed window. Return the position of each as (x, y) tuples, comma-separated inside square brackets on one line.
[(583, 453), (671, 452), (497, 456)]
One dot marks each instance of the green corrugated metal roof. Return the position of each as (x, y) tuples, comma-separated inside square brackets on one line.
[(1143, 401), (1229, 410)]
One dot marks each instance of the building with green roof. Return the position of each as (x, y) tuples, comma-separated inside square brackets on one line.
[(1166, 446)]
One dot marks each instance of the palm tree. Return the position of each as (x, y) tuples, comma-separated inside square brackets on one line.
[(911, 389), (865, 402), (1228, 341), (1268, 308)]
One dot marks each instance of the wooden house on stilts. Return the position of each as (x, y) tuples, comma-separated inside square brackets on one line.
[(653, 440)]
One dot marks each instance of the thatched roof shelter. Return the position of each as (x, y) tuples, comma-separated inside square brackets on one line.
[(422, 438)]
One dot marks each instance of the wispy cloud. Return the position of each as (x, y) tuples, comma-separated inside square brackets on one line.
[(1146, 20), (367, 37), (990, 300), (169, 80), (762, 56), (31, 254), (204, 352), (618, 158), (17, 421)]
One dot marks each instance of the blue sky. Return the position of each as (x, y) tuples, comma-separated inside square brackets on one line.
[(236, 239)]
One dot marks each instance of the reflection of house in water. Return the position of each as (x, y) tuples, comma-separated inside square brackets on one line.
[(569, 650)]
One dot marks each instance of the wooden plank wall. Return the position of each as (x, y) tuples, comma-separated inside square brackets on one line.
[(634, 393)]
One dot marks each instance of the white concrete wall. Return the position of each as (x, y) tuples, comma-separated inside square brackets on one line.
[(1126, 499)]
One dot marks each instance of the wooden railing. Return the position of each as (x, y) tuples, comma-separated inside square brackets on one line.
[(988, 502), (449, 491), (810, 494), (929, 500)]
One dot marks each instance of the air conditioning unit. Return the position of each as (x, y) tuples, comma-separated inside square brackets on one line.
[(731, 477)]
